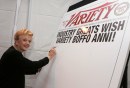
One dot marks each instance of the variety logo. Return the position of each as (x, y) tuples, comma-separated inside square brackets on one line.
[(95, 14)]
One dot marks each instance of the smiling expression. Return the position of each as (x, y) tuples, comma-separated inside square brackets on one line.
[(23, 43)]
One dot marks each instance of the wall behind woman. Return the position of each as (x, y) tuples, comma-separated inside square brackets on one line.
[(7, 15), (8, 10)]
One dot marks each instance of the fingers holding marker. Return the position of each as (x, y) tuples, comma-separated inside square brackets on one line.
[(52, 53)]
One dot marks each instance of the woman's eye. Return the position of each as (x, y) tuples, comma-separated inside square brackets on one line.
[(25, 40), (30, 41)]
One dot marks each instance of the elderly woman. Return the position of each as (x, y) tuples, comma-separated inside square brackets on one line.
[(14, 66)]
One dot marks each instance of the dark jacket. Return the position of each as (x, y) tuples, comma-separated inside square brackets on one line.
[(14, 66)]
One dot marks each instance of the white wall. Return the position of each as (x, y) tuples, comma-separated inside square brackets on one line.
[(7, 15), (129, 74), (8, 10)]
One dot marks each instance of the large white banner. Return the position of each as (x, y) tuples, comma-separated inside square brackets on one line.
[(92, 47)]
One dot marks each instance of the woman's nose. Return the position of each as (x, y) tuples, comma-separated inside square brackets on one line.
[(28, 42)]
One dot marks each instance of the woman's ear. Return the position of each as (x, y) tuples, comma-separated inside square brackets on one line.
[(16, 42)]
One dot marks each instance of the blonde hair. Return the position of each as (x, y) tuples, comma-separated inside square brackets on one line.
[(22, 32)]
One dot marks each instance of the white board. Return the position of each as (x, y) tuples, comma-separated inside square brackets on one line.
[(95, 58)]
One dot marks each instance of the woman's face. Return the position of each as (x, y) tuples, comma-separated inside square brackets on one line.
[(23, 43)]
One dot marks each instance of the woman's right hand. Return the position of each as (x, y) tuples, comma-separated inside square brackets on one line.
[(51, 53)]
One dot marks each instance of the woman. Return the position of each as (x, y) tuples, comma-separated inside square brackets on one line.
[(14, 66)]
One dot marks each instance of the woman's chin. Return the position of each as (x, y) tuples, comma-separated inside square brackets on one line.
[(25, 49)]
